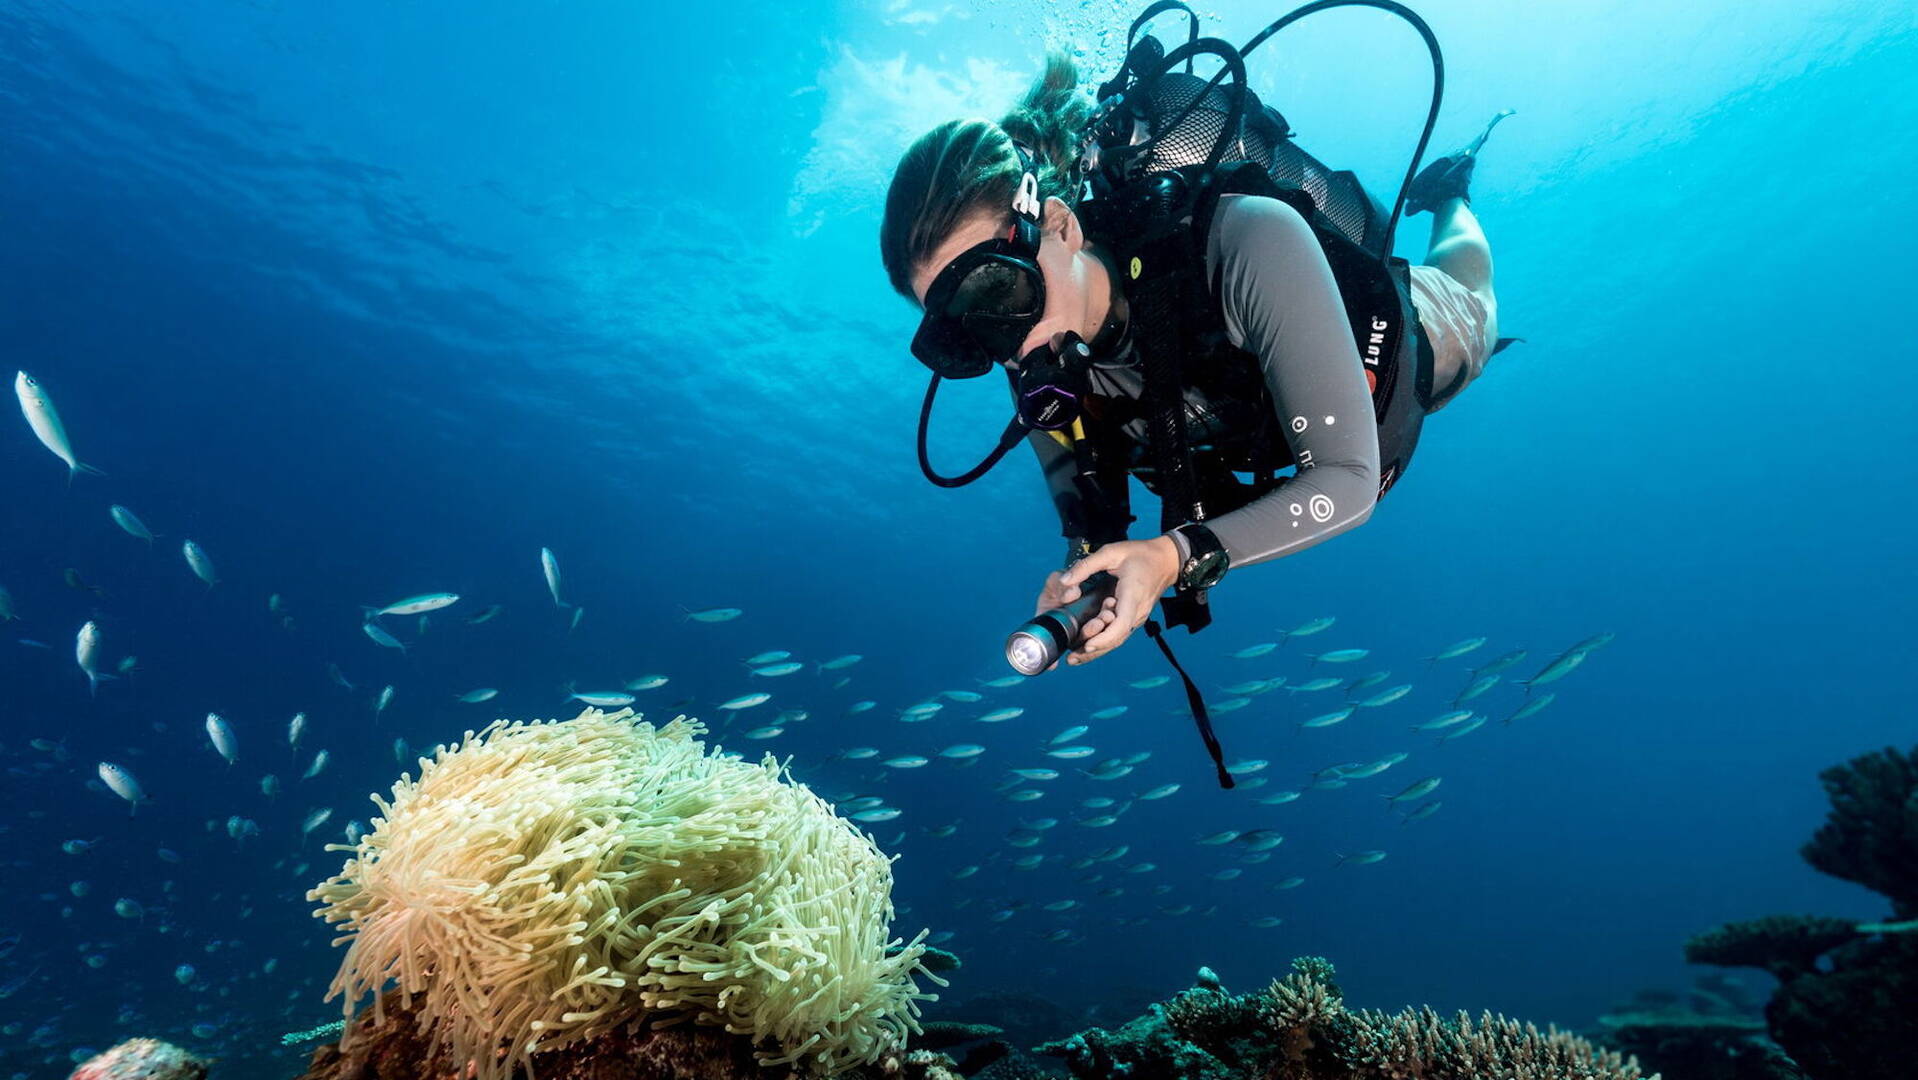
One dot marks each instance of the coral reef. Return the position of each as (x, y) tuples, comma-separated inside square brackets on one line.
[(1300, 1029), (141, 1059), (1713, 1033), (1847, 1000), (543, 884), (399, 1047), (1871, 834), (1027, 1019), (1786, 946)]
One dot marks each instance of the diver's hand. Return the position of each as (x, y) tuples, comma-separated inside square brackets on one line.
[(1143, 569)]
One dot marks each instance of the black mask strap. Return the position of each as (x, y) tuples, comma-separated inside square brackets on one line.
[(1193, 699)]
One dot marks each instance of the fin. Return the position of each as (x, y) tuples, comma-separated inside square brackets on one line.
[(1506, 343), (1450, 177), (1478, 143)]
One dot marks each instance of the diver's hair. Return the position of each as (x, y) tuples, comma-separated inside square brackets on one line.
[(964, 168)]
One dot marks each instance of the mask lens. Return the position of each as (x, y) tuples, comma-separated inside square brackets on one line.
[(984, 316), (996, 288)]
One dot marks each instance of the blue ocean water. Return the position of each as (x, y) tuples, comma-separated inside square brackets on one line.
[(372, 301)]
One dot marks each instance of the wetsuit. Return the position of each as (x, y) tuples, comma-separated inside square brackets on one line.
[(1281, 304)]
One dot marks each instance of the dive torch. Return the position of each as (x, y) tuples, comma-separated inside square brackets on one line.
[(1049, 635)]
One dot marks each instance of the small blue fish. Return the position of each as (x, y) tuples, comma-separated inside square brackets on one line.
[(381, 637)]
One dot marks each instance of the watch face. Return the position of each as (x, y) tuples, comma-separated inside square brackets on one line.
[(1205, 570)]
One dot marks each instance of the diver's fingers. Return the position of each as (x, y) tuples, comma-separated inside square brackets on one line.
[(1054, 593), (1120, 616), (1106, 558), (1093, 627)]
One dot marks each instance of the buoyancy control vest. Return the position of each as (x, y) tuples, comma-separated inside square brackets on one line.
[(1151, 213), (1231, 425)]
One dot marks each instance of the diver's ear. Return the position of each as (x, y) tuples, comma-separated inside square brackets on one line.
[(1063, 223)]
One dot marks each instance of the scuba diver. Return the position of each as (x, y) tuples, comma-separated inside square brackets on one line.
[(1179, 293)]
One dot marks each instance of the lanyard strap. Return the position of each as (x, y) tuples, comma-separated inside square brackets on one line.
[(1199, 715)]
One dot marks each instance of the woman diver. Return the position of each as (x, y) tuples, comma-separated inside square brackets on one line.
[(1029, 252)]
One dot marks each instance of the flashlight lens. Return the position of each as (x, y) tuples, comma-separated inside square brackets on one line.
[(1027, 654)]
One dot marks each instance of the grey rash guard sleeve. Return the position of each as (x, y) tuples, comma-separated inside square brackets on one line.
[(1282, 305)]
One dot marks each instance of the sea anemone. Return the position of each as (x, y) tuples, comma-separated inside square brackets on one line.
[(542, 883)]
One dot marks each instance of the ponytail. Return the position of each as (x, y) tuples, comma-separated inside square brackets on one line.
[(964, 168)]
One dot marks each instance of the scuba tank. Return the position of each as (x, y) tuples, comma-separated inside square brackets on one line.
[(1152, 119)]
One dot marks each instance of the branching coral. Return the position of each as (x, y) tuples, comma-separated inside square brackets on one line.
[(1417, 1044), (1871, 834), (543, 883), (1300, 1029)]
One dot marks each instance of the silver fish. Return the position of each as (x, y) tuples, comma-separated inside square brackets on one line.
[(221, 734), (1455, 649), (381, 637), (1557, 669), (484, 693), (1421, 812), (1533, 707), (295, 728), (1444, 720), (315, 819), (86, 651), (1311, 626), (1330, 718), (1493, 667), (1414, 791), (202, 566), (45, 421), (415, 605), (318, 766), (1477, 687), (1386, 697), (130, 523), (122, 783), (601, 699), (549, 565)]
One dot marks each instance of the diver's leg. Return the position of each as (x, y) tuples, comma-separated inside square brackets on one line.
[(1459, 249)]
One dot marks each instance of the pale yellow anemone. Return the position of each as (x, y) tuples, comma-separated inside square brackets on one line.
[(544, 882)]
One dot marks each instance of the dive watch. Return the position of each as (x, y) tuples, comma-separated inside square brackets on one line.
[(1203, 560)]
